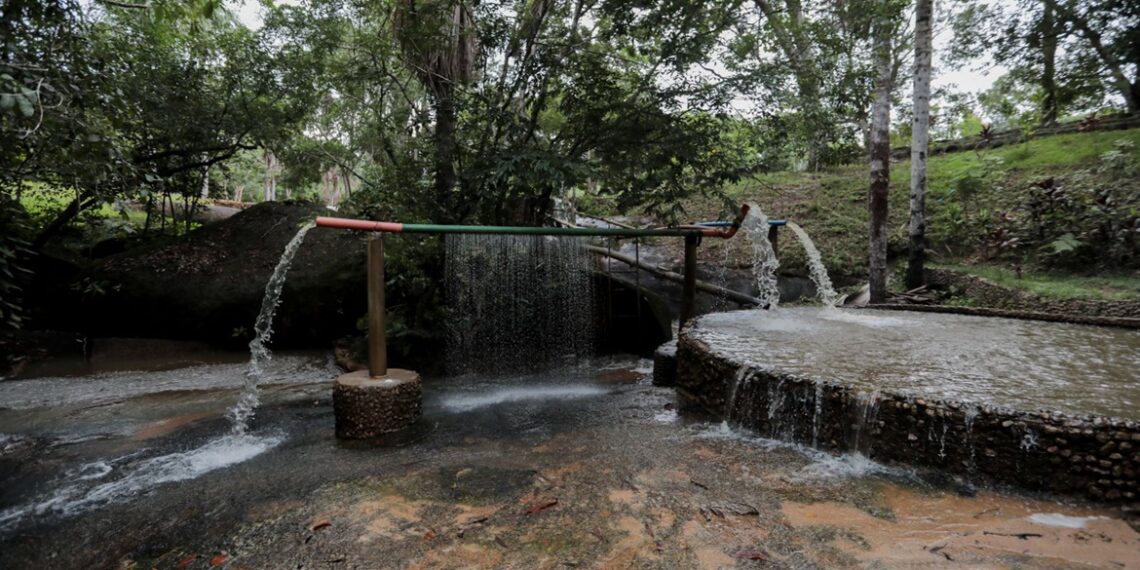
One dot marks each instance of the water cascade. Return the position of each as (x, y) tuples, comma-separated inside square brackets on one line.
[(763, 257), (818, 415), (818, 271), (518, 303), (867, 411), (259, 355), (971, 415)]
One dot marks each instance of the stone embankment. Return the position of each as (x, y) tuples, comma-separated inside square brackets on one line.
[(1092, 456), (987, 294)]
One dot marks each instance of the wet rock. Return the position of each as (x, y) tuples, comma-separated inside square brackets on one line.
[(209, 284)]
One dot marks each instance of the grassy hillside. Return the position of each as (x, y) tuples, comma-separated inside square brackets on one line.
[(976, 202)]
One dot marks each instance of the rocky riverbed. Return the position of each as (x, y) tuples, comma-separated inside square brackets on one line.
[(590, 468)]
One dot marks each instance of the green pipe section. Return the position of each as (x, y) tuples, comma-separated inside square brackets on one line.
[(545, 231)]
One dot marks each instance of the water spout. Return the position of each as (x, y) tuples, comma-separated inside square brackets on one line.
[(259, 355), (763, 257), (818, 271)]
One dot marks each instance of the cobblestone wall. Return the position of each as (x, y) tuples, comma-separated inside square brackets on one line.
[(1093, 456)]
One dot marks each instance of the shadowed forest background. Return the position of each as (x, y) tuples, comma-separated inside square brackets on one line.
[(125, 124)]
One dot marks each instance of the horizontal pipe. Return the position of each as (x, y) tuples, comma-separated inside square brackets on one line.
[(393, 227), (726, 223), (396, 227)]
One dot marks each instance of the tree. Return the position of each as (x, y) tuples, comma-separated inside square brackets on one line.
[(1111, 29), (1069, 53), (129, 103), (920, 139), (440, 45), (883, 27)]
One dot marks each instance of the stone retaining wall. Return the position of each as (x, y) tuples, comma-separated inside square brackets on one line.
[(1092, 456), (989, 294)]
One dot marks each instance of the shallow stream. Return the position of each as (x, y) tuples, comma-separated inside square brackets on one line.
[(592, 467)]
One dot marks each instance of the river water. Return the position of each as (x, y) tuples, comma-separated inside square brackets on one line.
[(588, 467)]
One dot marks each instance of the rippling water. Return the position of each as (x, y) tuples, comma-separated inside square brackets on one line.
[(986, 360)]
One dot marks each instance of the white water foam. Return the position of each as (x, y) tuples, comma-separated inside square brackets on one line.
[(1059, 520), (82, 490), (823, 466), (468, 402)]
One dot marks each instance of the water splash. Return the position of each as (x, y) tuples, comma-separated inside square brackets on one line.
[(763, 257), (818, 271), (518, 303), (730, 404), (466, 402), (970, 415), (259, 355), (100, 483)]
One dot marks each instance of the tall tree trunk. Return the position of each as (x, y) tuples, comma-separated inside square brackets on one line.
[(1050, 106), (205, 183), (270, 177), (880, 158), (445, 146), (920, 139)]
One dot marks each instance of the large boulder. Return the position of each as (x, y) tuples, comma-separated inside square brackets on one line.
[(209, 284)]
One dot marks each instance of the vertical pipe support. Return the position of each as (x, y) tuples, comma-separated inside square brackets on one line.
[(377, 343), (688, 300), (774, 239)]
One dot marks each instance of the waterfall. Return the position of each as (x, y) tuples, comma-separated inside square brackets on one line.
[(818, 272), (867, 410), (763, 257), (517, 303), (259, 355), (730, 405), (971, 414), (818, 415)]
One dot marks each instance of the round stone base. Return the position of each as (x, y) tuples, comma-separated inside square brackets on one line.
[(366, 407)]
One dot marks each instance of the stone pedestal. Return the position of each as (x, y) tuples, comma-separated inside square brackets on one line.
[(366, 407)]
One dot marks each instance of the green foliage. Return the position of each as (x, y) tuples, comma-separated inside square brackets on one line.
[(14, 254), (1113, 287)]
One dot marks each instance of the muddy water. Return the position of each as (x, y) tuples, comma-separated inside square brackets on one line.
[(592, 470), (1016, 363)]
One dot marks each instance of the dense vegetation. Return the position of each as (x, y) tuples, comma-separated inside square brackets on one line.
[(119, 118)]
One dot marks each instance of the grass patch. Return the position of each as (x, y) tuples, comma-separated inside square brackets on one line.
[(965, 189), (1059, 286)]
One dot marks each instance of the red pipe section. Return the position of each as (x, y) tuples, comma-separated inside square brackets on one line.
[(362, 225)]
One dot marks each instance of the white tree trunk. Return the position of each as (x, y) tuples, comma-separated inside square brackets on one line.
[(270, 177), (206, 182), (920, 139), (880, 157)]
